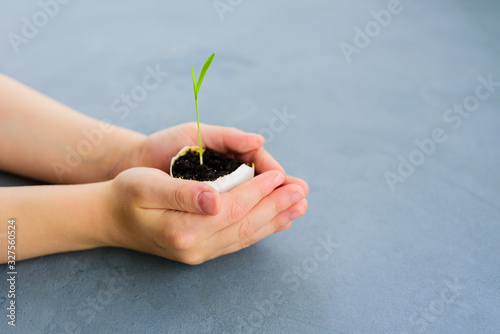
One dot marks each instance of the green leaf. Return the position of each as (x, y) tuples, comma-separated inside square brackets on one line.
[(203, 71), (196, 88), (194, 84)]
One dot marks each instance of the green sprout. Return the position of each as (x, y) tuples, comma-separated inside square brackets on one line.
[(196, 87)]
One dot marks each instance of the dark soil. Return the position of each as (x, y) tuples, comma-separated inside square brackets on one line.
[(214, 166)]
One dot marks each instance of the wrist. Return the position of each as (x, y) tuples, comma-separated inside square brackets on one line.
[(123, 152), (102, 231)]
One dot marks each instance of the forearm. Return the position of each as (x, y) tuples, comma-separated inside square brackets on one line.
[(54, 219), (43, 139)]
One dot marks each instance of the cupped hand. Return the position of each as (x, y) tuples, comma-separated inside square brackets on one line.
[(158, 149), (190, 222)]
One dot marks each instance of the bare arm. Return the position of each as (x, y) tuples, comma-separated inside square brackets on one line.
[(52, 219), (45, 140)]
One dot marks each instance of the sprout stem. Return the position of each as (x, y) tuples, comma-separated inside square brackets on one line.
[(199, 134), (196, 88)]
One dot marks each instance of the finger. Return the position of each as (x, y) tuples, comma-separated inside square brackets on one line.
[(265, 211), (295, 180), (239, 201), (160, 191), (280, 222), (229, 140), (294, 212), (283, 228)]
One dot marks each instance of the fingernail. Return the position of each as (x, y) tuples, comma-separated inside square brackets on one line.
[(205, 201), (294, 215), (296, 197), (278, 180)]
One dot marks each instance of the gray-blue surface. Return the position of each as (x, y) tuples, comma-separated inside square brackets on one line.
[(399, 237)]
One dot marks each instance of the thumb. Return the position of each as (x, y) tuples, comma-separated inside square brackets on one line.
[(166, 192)]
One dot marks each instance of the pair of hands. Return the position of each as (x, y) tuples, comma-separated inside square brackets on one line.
[(189, 221)]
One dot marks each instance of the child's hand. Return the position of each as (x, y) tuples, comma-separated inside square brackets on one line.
[(158, 149), (190, 222)]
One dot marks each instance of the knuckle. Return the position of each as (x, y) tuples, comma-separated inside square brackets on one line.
[(247, 242), (237, 210), (185, 197), (278, 207), (262, 189), (246, 230), (279, 222), (178, 197), (179, 241)]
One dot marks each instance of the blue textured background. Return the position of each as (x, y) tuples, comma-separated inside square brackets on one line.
[(424, 258)]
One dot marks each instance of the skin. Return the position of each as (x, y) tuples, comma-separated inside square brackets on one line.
[(119, 194)]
